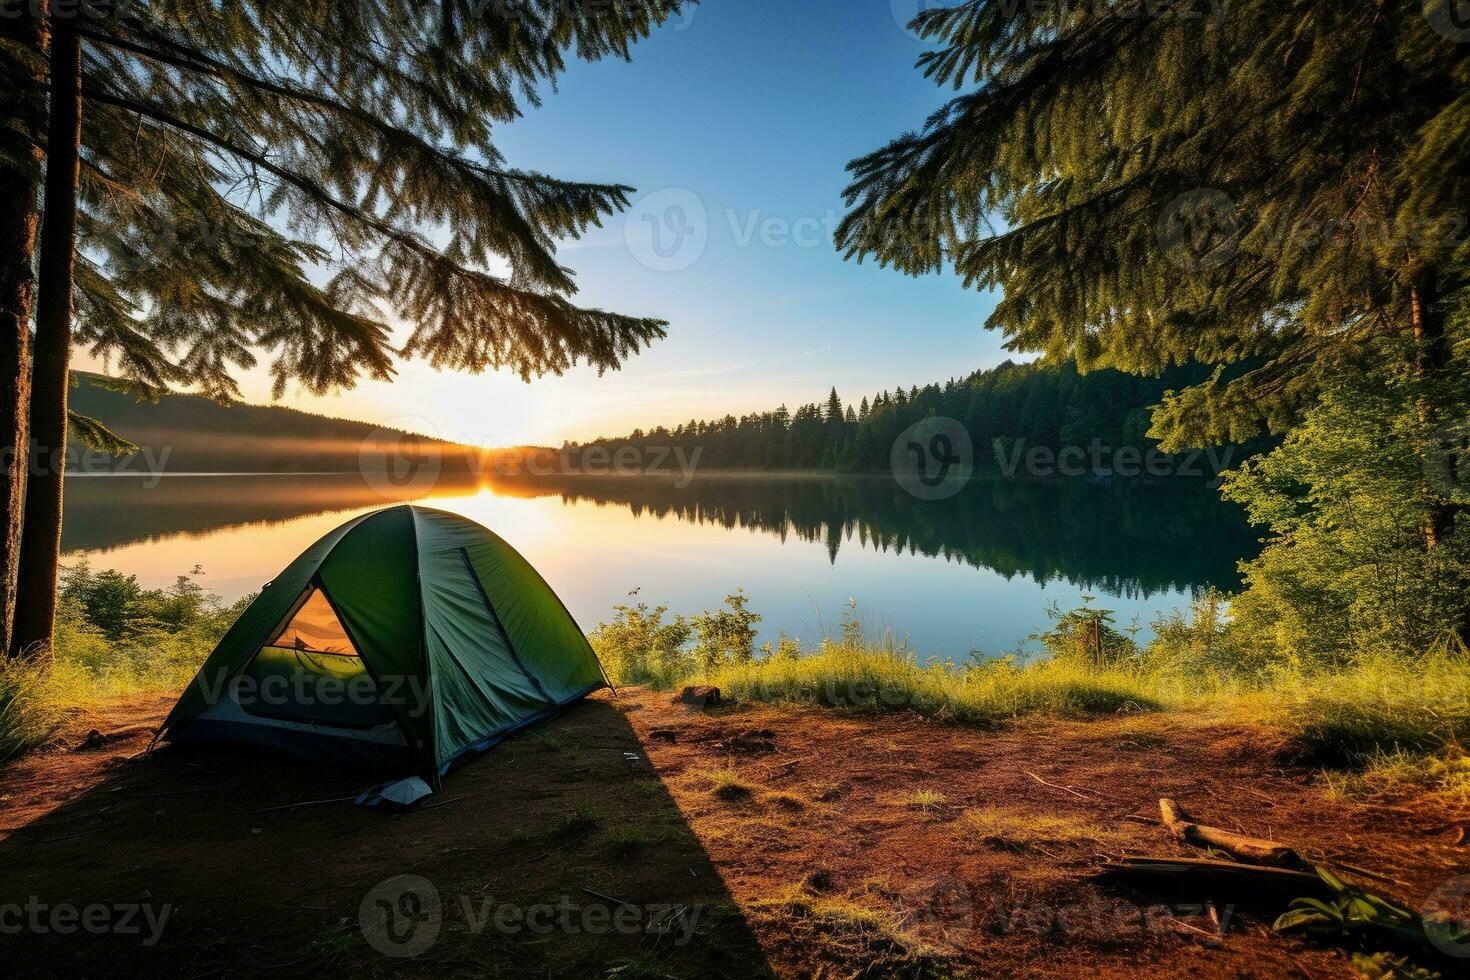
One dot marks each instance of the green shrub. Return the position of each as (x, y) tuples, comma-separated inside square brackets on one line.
[(638, 647), (1348, 570), (726, 636)]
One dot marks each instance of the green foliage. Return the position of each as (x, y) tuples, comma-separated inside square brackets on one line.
[(1198, 643), (1086, 637), (264, 181), (638, 647), (1363, 919), (1348, 569), (97, 436), (725, 636), (1259, 183), (115, 637)]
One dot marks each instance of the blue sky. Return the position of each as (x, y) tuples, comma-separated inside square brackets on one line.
[(746, 111)]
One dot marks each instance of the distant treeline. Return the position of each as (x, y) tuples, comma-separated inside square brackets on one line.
[(1009, 412)]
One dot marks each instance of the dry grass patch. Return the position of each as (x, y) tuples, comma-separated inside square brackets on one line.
[(789, 801), (839, 936), (724, 782), (1019, 830), (927, 801)]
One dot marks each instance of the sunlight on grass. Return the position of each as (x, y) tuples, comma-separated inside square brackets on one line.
[(724, 782), (1018, 830), (34, 701), (836, 928), (1386, 774), (928, 800), (880, 681), (1380, 704)]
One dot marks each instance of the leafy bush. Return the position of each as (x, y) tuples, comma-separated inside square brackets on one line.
[(117, 637), (726, 636), (1086, 638), (639, 647), (1348, 571)]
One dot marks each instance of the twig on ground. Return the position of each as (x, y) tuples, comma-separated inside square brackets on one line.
[(292, 806), (607, 898), (1064, 789)]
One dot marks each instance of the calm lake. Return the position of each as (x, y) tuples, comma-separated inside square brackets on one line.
[(975, 572)]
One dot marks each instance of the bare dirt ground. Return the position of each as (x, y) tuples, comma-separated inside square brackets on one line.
[(635, 838)]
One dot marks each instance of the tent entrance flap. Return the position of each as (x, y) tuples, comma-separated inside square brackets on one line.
[(310, 672)]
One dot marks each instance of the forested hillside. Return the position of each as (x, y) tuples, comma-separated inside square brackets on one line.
[(1007, 410), (192, 434)]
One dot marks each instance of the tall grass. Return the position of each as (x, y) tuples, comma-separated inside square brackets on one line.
[(868, 680), (113, 639), (33, 703), (1379, 704)]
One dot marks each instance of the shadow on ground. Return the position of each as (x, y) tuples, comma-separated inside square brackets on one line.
[(554, 855)]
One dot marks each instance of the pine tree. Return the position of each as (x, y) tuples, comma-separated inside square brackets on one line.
[(1275, 186), (232, 155), (1274, 183)]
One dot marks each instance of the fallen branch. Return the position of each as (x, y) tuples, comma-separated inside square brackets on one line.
[(1236, 845), (1247, 882)]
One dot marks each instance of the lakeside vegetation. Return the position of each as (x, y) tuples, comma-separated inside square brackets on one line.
[(1383, 723), (113, 639)]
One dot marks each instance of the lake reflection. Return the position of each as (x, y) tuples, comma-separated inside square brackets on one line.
[(972, 572)]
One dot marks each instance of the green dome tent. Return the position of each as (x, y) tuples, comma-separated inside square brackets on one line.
[(405, 641)]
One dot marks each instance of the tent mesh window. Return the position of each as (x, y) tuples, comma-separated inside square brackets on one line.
[(315, 627), (311, 673)]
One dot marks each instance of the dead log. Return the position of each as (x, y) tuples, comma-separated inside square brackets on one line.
[(1220, 880), (1236, 845)]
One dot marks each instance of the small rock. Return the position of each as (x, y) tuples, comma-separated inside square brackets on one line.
[(94, 740), (702, 696), (664, 735)]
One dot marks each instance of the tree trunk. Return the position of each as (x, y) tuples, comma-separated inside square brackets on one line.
[(35, 614), (1431, 362), (1431, 358), (18, 180)]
